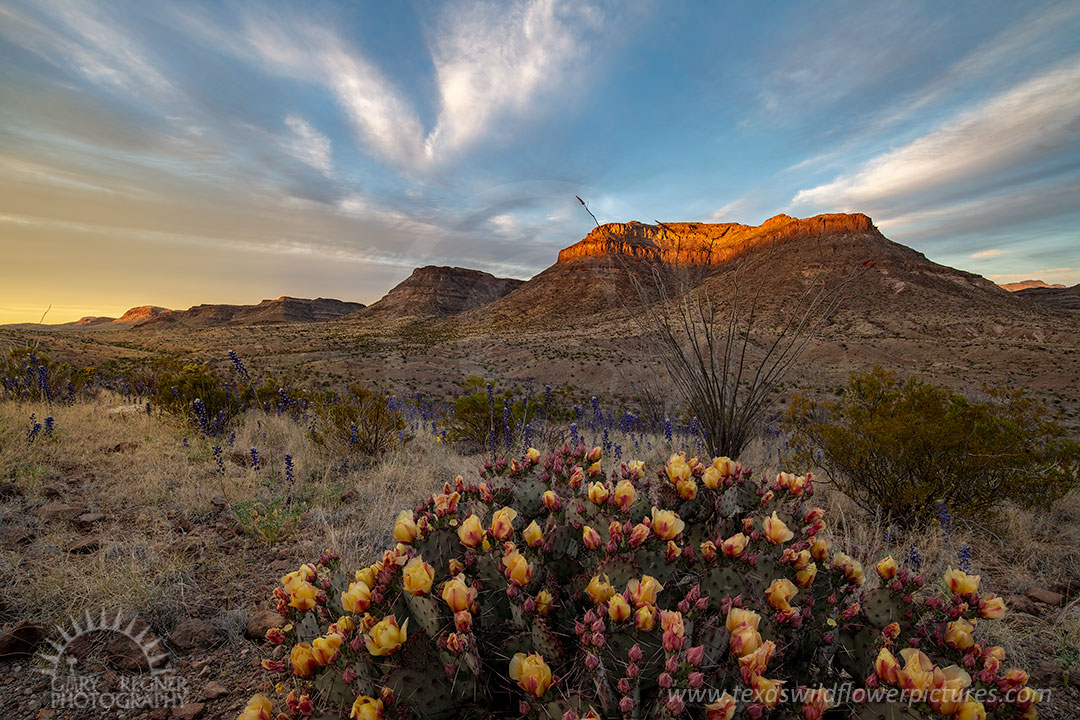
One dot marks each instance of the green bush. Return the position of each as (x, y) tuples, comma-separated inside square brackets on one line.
[(904, 447), (359, 423), (481, 418)]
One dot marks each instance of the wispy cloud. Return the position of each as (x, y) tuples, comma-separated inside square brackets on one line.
[(1030, 121), (991, 253), (1031, 274), (495, 59), (308, 145)]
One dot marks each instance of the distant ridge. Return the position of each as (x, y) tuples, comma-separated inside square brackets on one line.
[(439, 291), (1028, 285), (1055, 296)]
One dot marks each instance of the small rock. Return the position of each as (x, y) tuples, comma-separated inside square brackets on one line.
[(348, 496), (124, 447), (1045, 596), (282, 566), (12, 536), (262, 621), (10, 490), (21, 640), (191, 711), (192, 634), (1021, 604), (86, 545), (214, 690), (219, 501), (51, 492), (86, 520), (60, 511)]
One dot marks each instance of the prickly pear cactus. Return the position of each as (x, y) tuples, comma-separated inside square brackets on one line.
[(551, 588)]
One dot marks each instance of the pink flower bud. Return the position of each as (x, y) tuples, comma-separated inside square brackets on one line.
[(695, 680), (702, 604), (635, 653), (591, 661), (665, 680), (675, 705), (626, 705), (598, 640), (624, 685), (633, 671), (695, 655), (672, 664)]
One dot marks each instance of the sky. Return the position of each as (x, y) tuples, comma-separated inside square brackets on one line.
[(176, 153)]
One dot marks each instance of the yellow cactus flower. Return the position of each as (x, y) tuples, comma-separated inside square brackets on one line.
[(734, 545), (765, 691), (591, 538), (819, 549), (960, 583), (666, 524), (776, 532), (618, 609), (595, 469), (971, 710), (625, 495), (344, 625), (638, 535), (417, 576), (325, 649), (722, 709), (405, 530), (551, 500), (958, 634), (817, 702), (992, 607), (599, 589), (851, 568), (677, 468), (303, 661), (645, 618), (386, 637), (446, 504), (637, 467), (671, 621), (949, 689), (917, 675), (367, 575), (805, 577), (598, 493), (643, 591), (257, 708), (687, 489), (725, 465), (711, 478), (756, 662), (533, 535), (739, 616), (303, 596), (366, 708), (518, 568), (543, 602), (458, 595), (887, 667), (455, 567), (780, 593), (502, 523), (531, 673), (532, 456), (471, 532), (886, 569), (357, 598)]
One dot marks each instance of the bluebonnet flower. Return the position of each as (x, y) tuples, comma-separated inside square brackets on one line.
[(667, 429), (964, 557), (914, 558), (49, 425), (354, 431), (574, 440), (289, 476), (148, 408), (238, 365), (254, 459), (35, 428), (219, 460), (944, 518), (184, 442)]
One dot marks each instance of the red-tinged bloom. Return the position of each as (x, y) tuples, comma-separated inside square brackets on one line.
[(303, 660), (816, 703), (625, 495), (886, 667), (734, 545), (274, 666), (276, 636), (591, 538), (708, 551), (755, 663), (887, 568), (638, 535), (722, 709), (644, 591), (618, 609), (551, 501), (992, 607)]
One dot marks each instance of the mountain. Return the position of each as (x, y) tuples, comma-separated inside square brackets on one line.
[(903, 291), (434, 291), (1029, 284), (268, 312), (1056, 296), (140, 315)]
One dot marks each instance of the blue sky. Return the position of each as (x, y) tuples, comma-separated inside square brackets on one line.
[(177, 153)]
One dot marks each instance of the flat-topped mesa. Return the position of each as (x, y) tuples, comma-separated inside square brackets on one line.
[(707, 243)]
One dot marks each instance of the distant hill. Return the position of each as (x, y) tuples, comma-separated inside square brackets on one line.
[(268, 312), (904, 292), (1029, 284), (434, 291), (1056, 296)]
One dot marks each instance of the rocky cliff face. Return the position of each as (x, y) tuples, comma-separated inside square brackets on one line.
[(268, 312), (707, 243), (1056, 296), (1029, 284), (141, 314), (433, 291)]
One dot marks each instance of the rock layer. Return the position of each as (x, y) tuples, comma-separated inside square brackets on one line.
[(433, 291)]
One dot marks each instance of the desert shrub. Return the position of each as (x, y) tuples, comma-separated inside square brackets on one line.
[(28, 375), (195, 393), (360, 422), (500, 422), (551, 589), (903, 448)]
